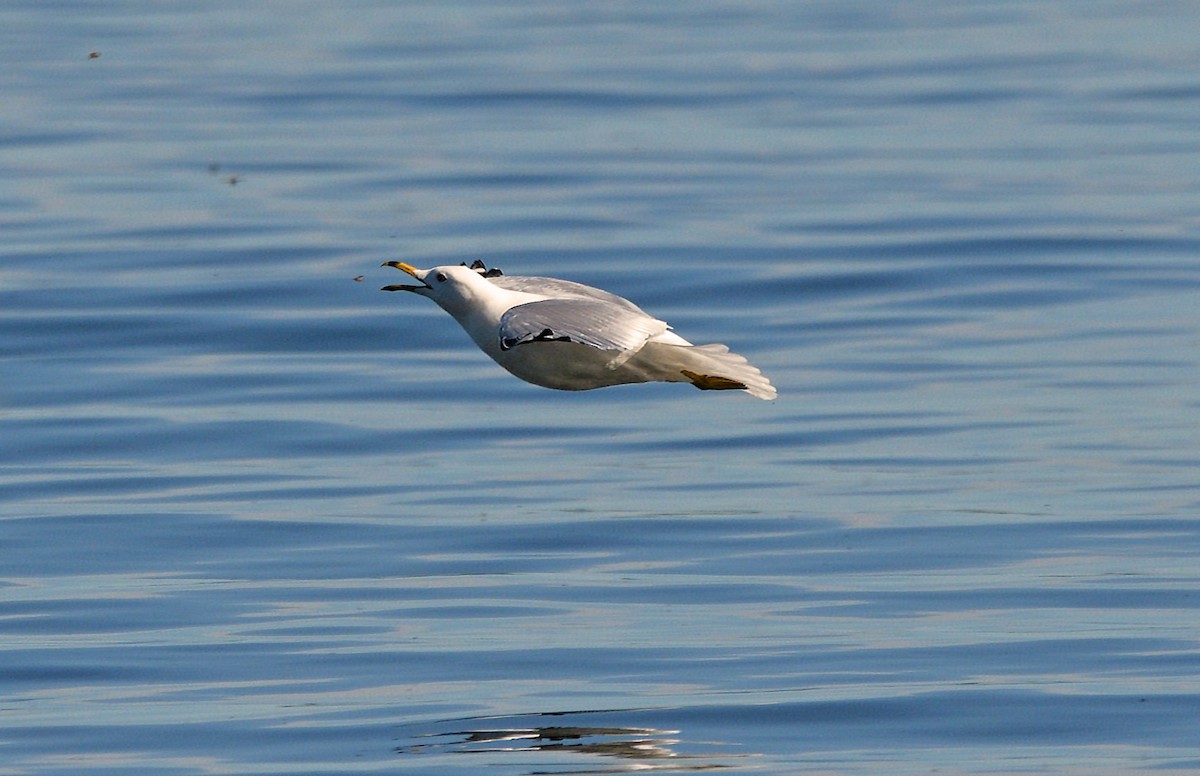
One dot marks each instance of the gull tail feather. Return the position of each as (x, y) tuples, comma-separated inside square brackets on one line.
[(716, 368)]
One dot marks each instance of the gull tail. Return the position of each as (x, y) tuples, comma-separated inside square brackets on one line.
[(716, 368)]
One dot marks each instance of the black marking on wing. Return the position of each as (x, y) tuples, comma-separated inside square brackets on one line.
[(482, 269), (545, 335)]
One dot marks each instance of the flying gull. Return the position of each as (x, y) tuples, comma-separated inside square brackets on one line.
[(572, 337)]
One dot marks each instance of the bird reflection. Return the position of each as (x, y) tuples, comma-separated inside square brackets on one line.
[(625, 743), (633, 743)]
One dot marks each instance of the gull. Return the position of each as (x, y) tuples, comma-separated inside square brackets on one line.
[(571, 337)]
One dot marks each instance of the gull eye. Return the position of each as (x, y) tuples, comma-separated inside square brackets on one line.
[(441, 277)]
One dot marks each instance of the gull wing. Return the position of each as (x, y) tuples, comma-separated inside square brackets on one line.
[(553, 288), (592, 322)]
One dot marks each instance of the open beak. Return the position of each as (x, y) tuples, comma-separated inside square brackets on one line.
[(419, 274)]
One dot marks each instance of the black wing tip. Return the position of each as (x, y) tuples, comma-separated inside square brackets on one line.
[(482, 269), (545, 335)]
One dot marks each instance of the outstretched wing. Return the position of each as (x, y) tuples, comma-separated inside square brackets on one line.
[(553, 288), (598, 324)]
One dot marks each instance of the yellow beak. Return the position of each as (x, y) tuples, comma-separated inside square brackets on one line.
[(410, 269)]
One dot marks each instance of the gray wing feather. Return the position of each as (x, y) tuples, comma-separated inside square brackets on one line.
[(560, 289), (598, 324)]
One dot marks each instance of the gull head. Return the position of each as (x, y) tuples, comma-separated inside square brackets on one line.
[(456, 289)]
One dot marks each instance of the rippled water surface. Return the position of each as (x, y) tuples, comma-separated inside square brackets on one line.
[(259, 517)]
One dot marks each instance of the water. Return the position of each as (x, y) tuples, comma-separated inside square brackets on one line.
[(262, 518)]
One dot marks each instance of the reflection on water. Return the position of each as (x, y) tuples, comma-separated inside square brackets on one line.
[(645, 749)]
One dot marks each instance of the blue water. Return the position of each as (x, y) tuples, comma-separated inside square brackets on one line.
[(259, 517)]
